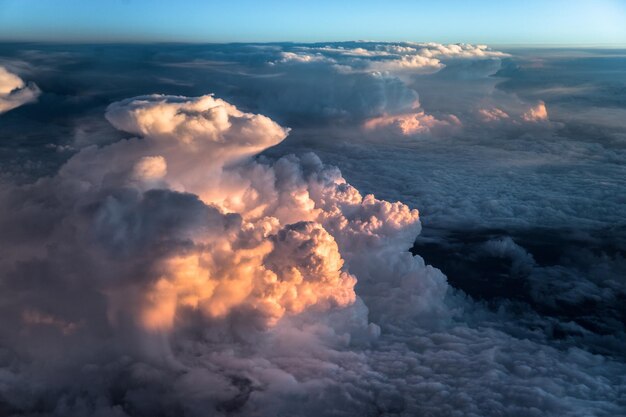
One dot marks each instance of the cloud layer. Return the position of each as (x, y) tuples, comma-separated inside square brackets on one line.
[(181, 261), (174, 273)]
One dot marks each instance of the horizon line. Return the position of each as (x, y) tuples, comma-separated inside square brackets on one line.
[(266, 42)]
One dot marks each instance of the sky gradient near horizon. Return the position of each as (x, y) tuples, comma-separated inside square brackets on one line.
[(558, 22)]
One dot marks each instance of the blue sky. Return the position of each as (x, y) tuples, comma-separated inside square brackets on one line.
[(573, 22)]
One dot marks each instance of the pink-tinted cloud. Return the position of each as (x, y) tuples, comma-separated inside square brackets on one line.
[(14, 92), (493, 114), (537, 113), (410, 124)]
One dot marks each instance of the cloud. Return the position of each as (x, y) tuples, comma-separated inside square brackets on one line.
[(538, 113), (493, 114), (410, 124), (34, 318), (202, 123), (197, 141), (246, 286), (303, 57), (189, 265), (150, 168), (460, 50), (179, 230), (14, 92), (363, 66), (415, 64), (318, 92), (402, 58)]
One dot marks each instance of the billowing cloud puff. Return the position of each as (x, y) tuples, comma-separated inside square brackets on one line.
[(260, 254), (178, 231), (538, 113), (303, 57), (402, 58), (426, 58), (186, 142), (321, 91), (461, 50), (246, 258), (411, 124), (378, 79), (492, 114), (416, 64), (150, 168), (347, 51), (203, 124), (14, 92)]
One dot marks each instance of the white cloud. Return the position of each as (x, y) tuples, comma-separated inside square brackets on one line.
[(303, 57), (415, 64), (461, 50), (412, 58)]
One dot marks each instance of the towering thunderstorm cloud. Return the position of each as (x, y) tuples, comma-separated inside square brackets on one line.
[(178, 272), (176, 239)]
